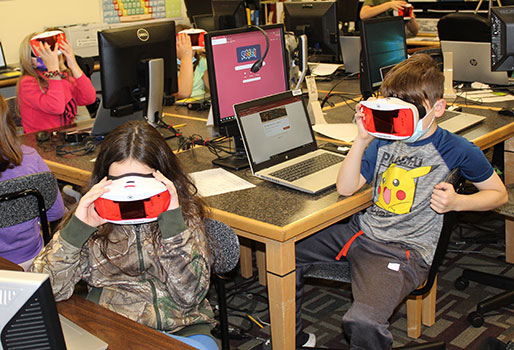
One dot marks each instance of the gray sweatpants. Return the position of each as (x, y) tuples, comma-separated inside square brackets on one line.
[(382, 276)]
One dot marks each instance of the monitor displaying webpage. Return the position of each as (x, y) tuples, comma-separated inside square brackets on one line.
[(275, 128), (233, 57)]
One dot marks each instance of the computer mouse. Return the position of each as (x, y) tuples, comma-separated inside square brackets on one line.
[(479, 85), (42, 136)]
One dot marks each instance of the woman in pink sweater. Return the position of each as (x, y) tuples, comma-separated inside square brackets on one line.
[(51, 86)]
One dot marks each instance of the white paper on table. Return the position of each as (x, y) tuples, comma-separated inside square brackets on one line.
[(323, 69), (346, 132), (217, 181), (485, 96)]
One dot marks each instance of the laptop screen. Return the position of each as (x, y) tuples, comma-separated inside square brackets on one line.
[(3, 64), (273, 126)]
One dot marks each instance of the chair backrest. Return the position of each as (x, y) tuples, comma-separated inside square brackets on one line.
[(449, 221), (225, 246), (27, 197), (459, 26)]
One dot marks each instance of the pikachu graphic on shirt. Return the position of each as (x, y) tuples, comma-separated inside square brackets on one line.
[(397, 188)]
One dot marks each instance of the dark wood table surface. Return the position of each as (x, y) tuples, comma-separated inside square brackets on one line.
[(118, 331)]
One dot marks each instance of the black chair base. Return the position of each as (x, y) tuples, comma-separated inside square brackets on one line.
[(476, 318)]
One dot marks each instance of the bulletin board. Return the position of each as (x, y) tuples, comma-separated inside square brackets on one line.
[(116, 11)]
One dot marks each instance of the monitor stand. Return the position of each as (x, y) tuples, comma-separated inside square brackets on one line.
[(105, 122), (235, 161)]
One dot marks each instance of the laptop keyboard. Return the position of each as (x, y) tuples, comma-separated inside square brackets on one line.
[(307, 167)]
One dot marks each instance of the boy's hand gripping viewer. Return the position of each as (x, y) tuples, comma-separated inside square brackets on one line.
[(133, 199), (391, 118)]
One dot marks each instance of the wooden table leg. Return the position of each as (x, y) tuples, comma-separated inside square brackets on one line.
[(280, 264), (245, 257)]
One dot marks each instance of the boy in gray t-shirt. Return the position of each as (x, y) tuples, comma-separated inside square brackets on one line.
[(391, 245)]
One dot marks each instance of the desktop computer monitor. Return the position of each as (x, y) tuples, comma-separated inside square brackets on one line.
[(195, 8), (502, 38), (138, 71), (231, 54), (383, 46), (229, 14), (28, 312), (317, 20)]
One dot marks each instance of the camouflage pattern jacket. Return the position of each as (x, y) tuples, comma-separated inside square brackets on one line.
[(163, 287)]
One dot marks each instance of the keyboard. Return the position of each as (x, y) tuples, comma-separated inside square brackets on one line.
[(307, 167)]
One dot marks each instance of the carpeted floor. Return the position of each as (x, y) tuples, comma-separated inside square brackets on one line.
[(326, 302)]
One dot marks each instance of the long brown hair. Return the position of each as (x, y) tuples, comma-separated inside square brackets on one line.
[(11, 153), (140, 141)]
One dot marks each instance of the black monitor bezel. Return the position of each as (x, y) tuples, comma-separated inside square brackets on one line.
[(367, 88), (231, 122), (170, 68), (332, 8), (500, 39), (238, 13)]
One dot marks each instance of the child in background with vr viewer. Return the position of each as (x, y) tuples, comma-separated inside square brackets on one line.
[(156, 273), (21, 243), (382, 8), (52, 84), (193, 79), (391, 245)]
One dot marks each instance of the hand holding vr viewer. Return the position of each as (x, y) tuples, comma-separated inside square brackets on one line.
[(393, 119), (128, 199)]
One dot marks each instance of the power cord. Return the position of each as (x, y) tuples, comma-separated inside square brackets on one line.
[(80, 149), (329, 93)]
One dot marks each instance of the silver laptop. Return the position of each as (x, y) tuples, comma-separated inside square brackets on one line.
[(472, 62), (280, 143), (459, 121)]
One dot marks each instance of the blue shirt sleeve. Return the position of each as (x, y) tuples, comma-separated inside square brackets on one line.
[(469, 158), (369, 159)]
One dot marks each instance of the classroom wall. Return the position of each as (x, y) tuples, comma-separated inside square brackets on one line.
[(19, 18)]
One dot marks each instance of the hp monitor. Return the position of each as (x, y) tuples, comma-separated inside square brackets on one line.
[(231, 54), (383, 46), (317, 20), (502, 38), (138, 71)]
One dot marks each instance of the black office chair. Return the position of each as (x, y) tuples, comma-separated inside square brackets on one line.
[(12, 104), (459, 26), (27, 197), (476, 318), (87, 65), (340, 271), (225, 250)]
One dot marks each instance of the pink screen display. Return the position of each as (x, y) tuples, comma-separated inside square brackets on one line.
[(234, 55)]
